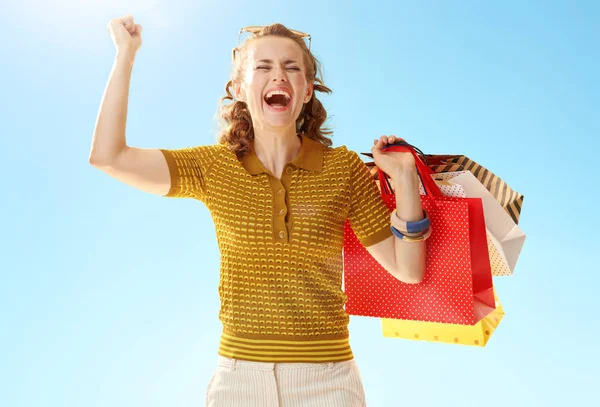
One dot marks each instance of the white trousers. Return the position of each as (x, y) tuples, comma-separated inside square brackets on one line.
[(240, 383)]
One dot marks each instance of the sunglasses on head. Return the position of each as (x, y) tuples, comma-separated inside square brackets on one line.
[(253, 29)]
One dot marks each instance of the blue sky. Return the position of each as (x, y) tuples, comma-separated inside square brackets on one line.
[(109, 295)]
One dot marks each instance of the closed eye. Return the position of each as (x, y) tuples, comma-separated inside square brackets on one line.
[(293, 68)]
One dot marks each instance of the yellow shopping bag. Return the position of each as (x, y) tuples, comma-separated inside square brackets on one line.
[(473, 335)]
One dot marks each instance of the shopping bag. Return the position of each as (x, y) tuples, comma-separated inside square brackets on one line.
[(503, 232), (498, 261), (457, 287), (473, 335), (504, 238), (442, 168), (509, 199)]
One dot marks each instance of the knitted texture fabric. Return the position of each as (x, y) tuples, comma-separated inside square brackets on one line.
[(281, 244)]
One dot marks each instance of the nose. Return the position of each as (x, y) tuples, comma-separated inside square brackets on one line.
[(279, 74)]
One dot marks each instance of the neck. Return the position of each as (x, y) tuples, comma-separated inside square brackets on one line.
[(276, 148)]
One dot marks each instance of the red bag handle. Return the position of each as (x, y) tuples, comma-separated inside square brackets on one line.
[(423, 170)]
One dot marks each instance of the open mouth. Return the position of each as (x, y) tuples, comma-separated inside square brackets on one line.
[(278, 99)]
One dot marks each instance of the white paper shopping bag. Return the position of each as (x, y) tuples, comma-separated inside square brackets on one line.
[(503, 233)]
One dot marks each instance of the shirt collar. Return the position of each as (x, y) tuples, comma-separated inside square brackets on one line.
[(309, 158)]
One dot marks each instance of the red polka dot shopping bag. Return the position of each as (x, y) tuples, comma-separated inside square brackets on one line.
[(457, 288)]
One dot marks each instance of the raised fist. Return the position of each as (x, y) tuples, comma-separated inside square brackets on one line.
[(126, 35)]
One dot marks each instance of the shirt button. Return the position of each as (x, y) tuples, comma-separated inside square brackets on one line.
[(280, 192), (289, 170), (281, 234), (282, 212)]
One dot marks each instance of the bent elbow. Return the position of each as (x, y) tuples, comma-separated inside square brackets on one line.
[(101, 161), (96, 160)]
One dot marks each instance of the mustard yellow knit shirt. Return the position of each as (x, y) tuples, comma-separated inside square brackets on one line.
[(281, 245)]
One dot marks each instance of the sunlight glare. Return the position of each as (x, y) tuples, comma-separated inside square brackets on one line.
[(74, 22)]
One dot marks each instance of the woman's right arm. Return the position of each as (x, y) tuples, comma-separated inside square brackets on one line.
[(144, 169)]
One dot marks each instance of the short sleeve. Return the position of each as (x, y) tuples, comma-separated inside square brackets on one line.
[(188, 169), (369, 216)]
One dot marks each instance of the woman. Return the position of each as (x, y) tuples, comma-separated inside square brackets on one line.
[(279, 196)]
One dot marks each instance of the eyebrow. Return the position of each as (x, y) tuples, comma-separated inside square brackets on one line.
[(286, 62)]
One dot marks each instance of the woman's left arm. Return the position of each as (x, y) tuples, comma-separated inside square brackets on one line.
[(404, 260)]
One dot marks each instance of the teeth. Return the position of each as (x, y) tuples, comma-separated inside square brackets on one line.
[(278, 92)]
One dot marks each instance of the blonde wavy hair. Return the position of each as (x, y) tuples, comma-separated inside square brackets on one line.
[(237, 131)]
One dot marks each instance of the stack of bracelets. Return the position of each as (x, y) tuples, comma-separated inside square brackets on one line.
[(411, 231)]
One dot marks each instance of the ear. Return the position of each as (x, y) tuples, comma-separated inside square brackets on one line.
[(309, 92), (237, 89)]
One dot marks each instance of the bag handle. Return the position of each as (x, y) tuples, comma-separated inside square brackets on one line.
[(423, 170)]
